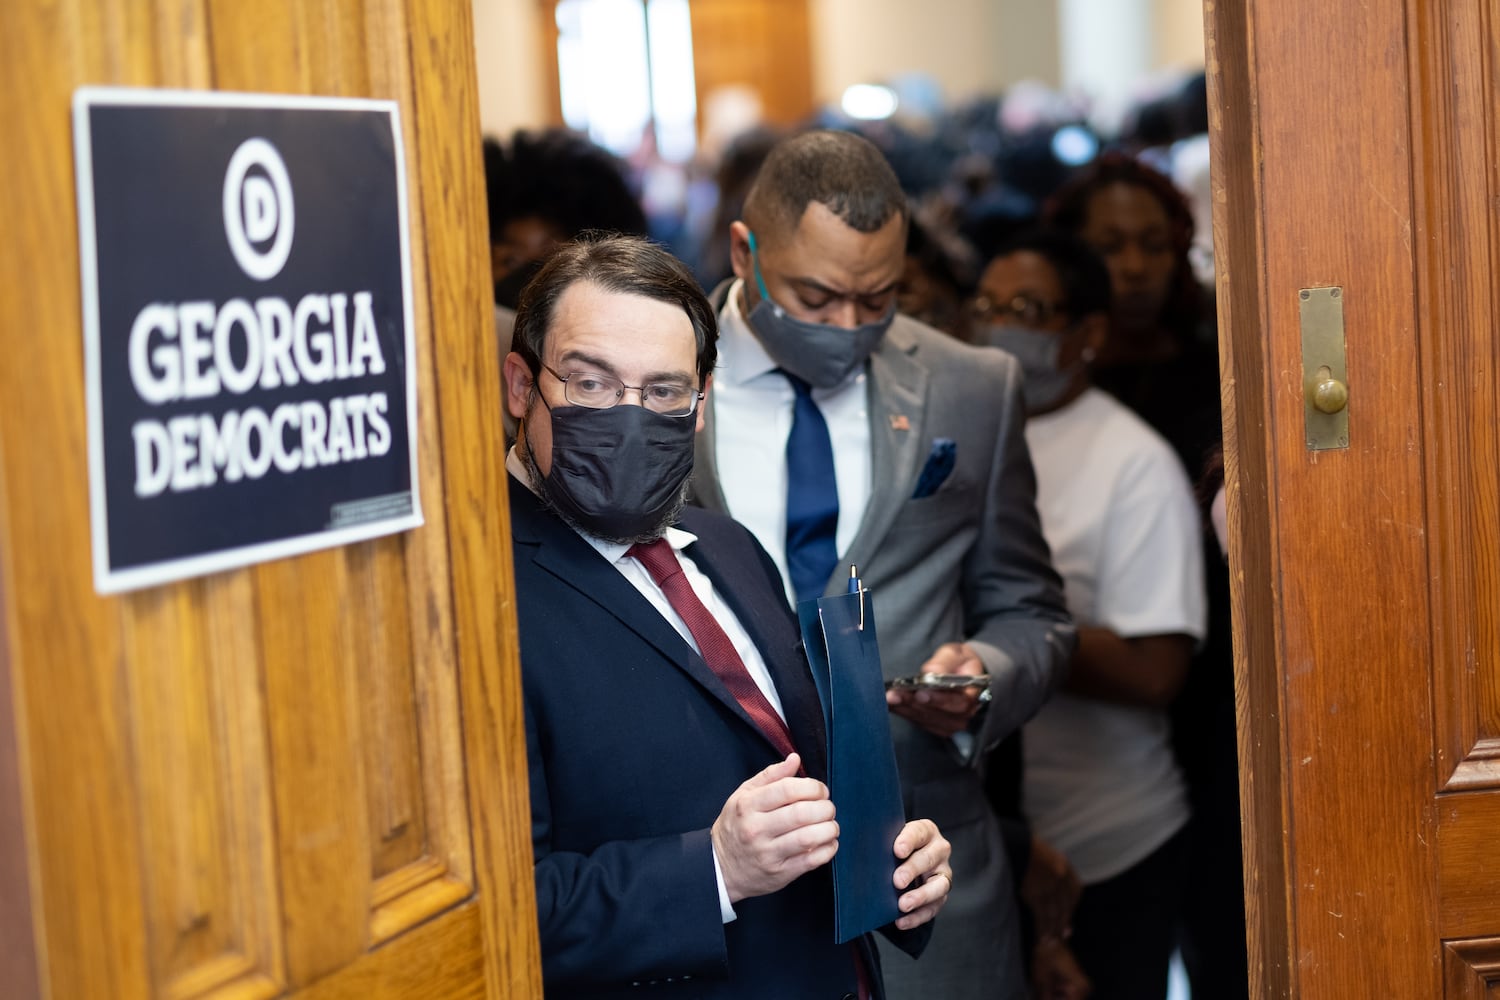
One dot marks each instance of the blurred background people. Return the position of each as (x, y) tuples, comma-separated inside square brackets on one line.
[(1100, 780), (1161, 360), (545, 187), (1161, 357), (939, 275)]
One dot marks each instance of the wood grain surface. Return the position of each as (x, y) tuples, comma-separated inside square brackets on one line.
[(303, 778), (1356, 148)]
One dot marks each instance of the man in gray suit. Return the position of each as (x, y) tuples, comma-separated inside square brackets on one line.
[(840, 432)]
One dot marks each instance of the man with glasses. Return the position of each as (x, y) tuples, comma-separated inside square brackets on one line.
[(840, 432), (681, 828)]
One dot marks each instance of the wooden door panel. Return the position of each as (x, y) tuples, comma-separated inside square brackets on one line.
[(1468, 874), (763, 44), (442, 959), (203, 782), (1457, 236), (1360, 151), (441, 871), (1472, 970), (1455, 76), (317, 760), (18, 957), (75, 773), (393, 758), (305, 777)]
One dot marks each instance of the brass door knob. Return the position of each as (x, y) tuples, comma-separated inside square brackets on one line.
[(1329, 395)]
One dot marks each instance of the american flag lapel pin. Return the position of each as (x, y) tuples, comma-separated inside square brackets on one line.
[(899, 422)]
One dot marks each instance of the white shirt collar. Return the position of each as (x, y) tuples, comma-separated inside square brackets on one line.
[(613, 552)]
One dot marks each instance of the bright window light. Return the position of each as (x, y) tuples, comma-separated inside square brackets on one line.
[(625, 66), (869, 102), (1074, 145), (601, 59), (672, 89)]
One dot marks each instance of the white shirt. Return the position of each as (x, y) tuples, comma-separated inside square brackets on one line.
[(1101, 783), (752, 420), (640, 578)]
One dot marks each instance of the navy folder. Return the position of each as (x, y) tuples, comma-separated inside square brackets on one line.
[(839, 635)]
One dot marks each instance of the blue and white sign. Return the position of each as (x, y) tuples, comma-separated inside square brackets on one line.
[(247, 328)]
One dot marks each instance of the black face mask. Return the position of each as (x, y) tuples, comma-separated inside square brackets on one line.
[(508, 288), (618, 473)]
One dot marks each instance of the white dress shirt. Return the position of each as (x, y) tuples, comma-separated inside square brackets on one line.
[(640, 578), (752, 419)]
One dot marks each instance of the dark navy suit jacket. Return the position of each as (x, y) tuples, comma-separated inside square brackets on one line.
[(634, 745)]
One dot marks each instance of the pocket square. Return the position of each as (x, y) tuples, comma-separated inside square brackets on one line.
[(938, 468)]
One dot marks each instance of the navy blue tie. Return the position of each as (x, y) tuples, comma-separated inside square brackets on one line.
[(812, 496)]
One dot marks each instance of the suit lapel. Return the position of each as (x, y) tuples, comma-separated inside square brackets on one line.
[(898, 413), (558, 550), (759, 609), (706, 491)]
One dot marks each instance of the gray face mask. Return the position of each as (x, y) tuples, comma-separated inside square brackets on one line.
[(819, 354), (1043, 383)]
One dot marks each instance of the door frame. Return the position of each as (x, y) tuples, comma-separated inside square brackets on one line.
[(1327, 171)]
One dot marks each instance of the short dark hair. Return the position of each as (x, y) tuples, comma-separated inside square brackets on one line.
[(626, 264), (844, 172), (1080, 271), (562, 178)]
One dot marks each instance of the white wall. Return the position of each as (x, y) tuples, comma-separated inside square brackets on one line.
[(969, 46), (1107, 48), (511, 90), (1179, 38)]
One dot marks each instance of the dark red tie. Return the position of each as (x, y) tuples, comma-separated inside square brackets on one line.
[(661, 562)]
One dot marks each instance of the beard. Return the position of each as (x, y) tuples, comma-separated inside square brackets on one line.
[(539, 486)]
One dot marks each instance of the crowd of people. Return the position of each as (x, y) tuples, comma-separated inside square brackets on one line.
[(978, 361)]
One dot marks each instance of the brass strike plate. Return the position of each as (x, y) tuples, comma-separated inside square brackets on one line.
[(1325, 371)]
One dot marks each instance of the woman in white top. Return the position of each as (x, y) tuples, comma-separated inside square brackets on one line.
[(1100, 782)]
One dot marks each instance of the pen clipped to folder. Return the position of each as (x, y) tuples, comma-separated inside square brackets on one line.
[(856, 587), (842, 649)]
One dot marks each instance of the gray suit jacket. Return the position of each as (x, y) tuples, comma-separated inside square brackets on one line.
[(966, 563)]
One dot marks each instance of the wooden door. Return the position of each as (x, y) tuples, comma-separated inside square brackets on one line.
[(765, 45), (1355, 145), (305, 778)]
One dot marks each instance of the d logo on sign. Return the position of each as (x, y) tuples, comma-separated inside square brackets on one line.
[(258, 208)]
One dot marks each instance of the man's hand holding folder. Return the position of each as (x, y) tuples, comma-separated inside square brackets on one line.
[(777, 827), (839, 637), (924, 873)]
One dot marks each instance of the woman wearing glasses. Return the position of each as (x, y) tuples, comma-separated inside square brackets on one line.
[(1161, 359), (1100, 781)]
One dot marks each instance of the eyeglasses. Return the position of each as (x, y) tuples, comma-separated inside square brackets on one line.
[(600, 392), (1023, 309)]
